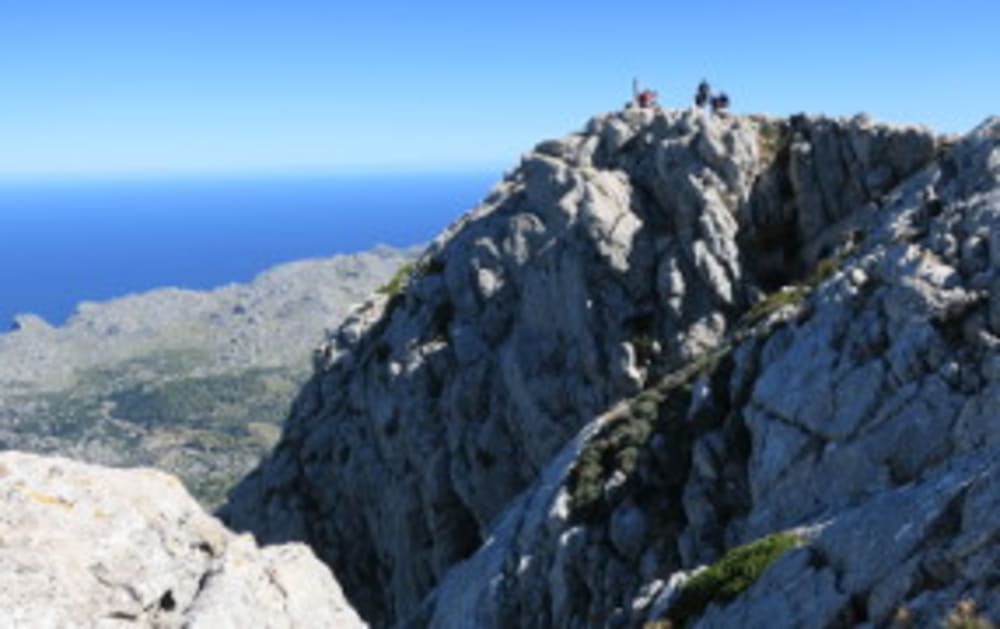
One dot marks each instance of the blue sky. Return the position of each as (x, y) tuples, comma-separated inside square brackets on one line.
[(112, 88)]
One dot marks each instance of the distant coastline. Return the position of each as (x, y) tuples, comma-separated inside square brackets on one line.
[(66, 241)]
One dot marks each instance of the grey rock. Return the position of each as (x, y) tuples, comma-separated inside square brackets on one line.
[(791, 590), (30, 323), (85, 546), (628, 530), (880, 548), (854, 392), (994, 297)]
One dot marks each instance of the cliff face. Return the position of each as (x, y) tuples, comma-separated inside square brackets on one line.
[(653, 342)]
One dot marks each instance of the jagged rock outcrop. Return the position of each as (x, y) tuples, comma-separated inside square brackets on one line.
[(626, 268), (86, 546), (867, 409)]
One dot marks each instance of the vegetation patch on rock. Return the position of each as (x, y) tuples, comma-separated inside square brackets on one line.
[(407, 272), (730, 576), (774, 137), (795, 294), (611, 457), (398, 281)]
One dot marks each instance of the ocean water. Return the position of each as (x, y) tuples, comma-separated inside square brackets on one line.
[(65, 242)]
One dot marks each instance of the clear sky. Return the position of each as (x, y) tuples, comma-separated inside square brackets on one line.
[(119, 87)]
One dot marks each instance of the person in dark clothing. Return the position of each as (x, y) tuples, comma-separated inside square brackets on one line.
[(720, 102), (703, 94)]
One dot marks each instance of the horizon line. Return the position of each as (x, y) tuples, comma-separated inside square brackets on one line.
[(240, 174)]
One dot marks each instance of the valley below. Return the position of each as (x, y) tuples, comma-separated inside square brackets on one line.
[(196, 383)]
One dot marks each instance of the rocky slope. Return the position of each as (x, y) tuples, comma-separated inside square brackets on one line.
[(655, 342), (84, 546), (188, 381)]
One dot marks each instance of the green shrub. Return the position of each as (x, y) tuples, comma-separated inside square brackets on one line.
[(826, 267), (795, 294), (399, 281), (409, 270), (620, 443), (786, 296), (616, 448), (730, 576)]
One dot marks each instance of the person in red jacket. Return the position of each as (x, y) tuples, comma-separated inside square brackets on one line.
[(643, 98)]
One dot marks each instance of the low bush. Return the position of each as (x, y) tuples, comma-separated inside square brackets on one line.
[(730, 576)]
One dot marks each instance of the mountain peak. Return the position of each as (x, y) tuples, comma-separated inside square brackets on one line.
[(656, 340)]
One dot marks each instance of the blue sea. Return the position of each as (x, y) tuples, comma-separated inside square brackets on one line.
[(65, 242)]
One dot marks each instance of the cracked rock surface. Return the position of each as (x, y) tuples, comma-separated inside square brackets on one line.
[(657, 340), (87, 546), (866, 413)]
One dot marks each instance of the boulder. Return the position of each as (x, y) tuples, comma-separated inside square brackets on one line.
[(87, 546)]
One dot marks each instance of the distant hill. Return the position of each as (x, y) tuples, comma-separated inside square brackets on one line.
[(193, 382)]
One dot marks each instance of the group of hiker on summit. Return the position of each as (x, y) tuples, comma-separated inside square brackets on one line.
[(646, 98)]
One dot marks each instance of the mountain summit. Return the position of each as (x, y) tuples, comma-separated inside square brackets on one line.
[(664, 349)]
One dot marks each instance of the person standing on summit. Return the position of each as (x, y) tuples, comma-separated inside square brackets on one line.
[(720, 103), (643, 98), (703, 94)]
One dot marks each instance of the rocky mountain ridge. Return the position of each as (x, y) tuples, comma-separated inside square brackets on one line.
[(655, 342)]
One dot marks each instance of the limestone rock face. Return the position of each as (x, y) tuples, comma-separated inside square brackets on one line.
[(867, 411), (581, 394), (86, 546)]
